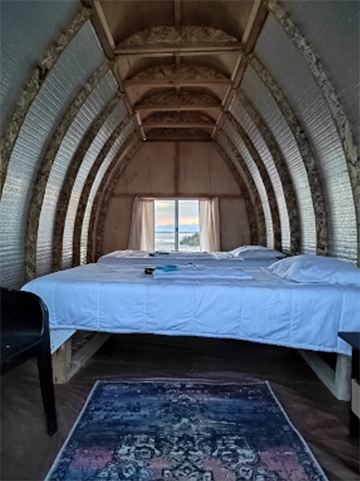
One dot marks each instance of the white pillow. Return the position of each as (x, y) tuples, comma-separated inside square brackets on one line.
[(256, 252), (317, 269)]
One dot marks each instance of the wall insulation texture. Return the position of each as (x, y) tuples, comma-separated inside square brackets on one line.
[(285, 63), (184, 170), (28, 28), (114, 119), (255, 174), (88, 112), (262, 100), (338, 21), (113, 153), (75, 65), (240, 114)]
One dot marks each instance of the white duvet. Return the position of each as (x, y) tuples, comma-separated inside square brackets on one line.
[(267, 309)]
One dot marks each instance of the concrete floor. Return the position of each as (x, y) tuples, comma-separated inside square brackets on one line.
[(27, 452)]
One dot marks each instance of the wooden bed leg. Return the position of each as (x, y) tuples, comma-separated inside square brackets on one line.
[(338, 381), (61, 360), (343, 377)]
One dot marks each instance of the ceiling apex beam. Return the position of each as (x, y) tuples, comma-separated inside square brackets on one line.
[(179, 107), (178, 125), (176, 83), (166, 50)]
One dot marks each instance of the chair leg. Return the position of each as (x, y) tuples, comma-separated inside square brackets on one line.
[(47, 391)]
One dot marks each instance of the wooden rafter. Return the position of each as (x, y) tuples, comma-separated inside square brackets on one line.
[(166, 50), (177, 83), (178, 125), (251, 33), (171, 107), (102, 28)]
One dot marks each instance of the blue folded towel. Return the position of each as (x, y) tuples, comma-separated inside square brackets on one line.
[(168, 268)]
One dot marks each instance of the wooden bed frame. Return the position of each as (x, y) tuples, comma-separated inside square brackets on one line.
[(72, 349)]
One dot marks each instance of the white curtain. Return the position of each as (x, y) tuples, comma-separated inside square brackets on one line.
[(209, 220), (142, 230)]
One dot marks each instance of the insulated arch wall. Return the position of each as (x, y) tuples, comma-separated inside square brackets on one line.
[(254, 178), (241, 114), (257, 222), (269, 111), (41, 219), (86, 153), (60, 87), (84, 220), (291, 71)]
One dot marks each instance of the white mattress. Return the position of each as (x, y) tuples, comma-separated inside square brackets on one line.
[(120, 298)]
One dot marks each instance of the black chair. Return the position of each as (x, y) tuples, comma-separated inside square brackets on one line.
[(25, 334)]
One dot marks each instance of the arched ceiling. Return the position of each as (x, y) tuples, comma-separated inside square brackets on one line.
[(86, 84)]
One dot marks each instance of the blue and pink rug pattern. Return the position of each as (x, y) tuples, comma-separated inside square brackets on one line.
[(170, 431)]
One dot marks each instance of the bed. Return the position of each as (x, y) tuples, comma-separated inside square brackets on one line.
[(263, 306)]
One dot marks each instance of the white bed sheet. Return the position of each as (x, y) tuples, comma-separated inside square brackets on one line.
[(182, 258), (267, 309)]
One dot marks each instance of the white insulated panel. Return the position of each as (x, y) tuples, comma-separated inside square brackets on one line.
[(275, 50), (241, 115), (91, 108), (264, 103), (110, 124), (255, 174), (56, 94), (128, 130)]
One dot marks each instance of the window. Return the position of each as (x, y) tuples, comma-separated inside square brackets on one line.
[(177, 225)]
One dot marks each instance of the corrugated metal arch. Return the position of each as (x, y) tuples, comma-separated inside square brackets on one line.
[(306, 154), (282, 169), (45, 169), (32, 88), (264, 176), (62, 210), (84, 199), (339, 116)]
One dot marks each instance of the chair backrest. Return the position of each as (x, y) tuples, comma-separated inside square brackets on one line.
[(22, 313)]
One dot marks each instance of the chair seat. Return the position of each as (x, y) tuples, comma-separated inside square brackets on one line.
[(13, 346)]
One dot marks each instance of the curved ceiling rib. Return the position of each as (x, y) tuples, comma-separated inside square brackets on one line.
[(111, 148), (340, 118), (256, 160), (62, 256), (60, 87), (306, 154), (105, 190), (250, 207), (39, 193), (283, 185), (241, 166), (90, 109), (33, 86), (244, 159)]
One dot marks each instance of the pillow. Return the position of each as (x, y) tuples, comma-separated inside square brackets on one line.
[(317, 269), (256, 252)]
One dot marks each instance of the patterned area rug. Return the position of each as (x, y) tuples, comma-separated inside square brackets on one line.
[(186, 431)]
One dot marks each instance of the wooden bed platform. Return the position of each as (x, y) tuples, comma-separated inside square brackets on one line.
[(72, 349)]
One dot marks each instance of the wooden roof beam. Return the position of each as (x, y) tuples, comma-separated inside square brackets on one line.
[(251, 33), (177, 83), (166, 50), (172, 107), (178, 125)]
